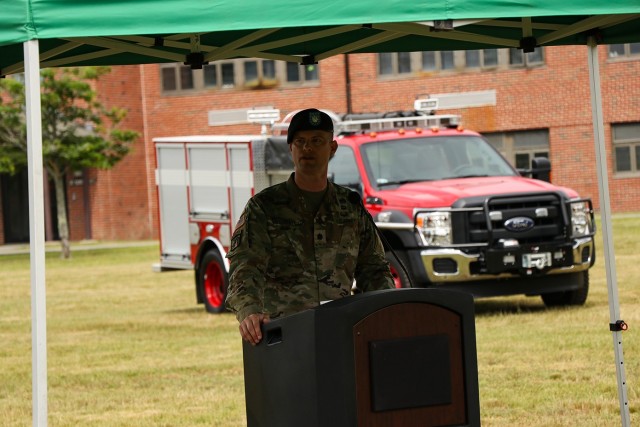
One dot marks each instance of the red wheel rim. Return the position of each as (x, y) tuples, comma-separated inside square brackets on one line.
[(213, 280), (397, 282)]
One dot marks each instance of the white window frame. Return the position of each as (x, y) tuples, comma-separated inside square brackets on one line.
[(633, 143)]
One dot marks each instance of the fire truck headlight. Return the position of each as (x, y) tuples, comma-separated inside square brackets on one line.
[(434, 228), (384, 216), (582, 224)]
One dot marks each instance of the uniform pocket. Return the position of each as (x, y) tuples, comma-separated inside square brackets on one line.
[(286, 245)]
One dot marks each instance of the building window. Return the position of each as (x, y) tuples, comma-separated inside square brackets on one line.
[(177, 77), (297, 73), (186, 78), (293, 72), (400, 64), (519, 148), (442, 60), (311, 73), (168, 79), (269, 69), (242, 73), (624, 50), (404, 62), (626, 147), (218, 74), (260, 73), (517, 58), (446, 60), (385, 64), (429, 61), (394, 63), (251, 71), (228, 75), (210, 75), (484, 58)]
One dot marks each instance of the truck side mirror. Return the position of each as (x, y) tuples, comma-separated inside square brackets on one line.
[(541, 169)]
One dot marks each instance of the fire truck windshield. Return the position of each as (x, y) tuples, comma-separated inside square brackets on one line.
[(401, 161)]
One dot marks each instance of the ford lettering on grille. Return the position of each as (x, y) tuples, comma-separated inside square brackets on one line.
[(519, 223)]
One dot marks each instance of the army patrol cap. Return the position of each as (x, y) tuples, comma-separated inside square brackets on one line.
[(309, 119)]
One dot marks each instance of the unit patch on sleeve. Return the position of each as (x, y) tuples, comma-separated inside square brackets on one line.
[(239, 231), (240, 222)]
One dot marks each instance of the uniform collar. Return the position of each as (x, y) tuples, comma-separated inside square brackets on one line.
[(295, 194)]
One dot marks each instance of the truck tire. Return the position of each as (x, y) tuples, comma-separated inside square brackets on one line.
[(568, 298), (400, 278), (213, 281)]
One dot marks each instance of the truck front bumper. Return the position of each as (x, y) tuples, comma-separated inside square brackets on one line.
[(450, 265)]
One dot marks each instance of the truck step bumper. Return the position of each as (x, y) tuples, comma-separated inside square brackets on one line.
[(449, 265)]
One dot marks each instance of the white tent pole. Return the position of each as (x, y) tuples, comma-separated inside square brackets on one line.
[(607, 232), (36, 233)]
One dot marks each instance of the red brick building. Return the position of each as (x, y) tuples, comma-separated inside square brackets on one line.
[(526, 105)]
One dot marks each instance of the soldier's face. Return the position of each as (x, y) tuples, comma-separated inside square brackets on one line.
[(312, 149)]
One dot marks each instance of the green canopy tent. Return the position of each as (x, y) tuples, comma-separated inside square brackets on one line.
[(124, 32), (53, 33)]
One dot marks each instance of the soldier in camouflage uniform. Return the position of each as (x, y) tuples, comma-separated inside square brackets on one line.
[(302, 242)]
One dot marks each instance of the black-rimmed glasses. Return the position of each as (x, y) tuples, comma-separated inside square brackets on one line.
[(314, 141)]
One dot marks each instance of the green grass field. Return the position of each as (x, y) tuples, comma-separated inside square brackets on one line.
[(128, 347)]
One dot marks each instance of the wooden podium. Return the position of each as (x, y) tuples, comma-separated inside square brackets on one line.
[(402, 357)]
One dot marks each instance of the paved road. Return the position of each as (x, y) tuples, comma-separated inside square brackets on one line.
[(23, 248)]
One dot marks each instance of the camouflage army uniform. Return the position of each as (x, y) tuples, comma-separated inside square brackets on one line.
[(285, 260)]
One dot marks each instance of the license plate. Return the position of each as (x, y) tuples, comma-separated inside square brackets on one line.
[(539, 260)]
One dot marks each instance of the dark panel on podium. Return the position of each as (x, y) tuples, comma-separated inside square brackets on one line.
[(426, 355), (400, 369), (387, 358)]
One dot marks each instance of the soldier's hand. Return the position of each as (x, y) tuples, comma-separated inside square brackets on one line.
[(250, 327)]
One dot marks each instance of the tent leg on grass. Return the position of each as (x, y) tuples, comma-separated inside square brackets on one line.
[(607, 232), (36, 236)]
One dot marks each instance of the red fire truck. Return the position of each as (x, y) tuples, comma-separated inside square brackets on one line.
[(452, 212)]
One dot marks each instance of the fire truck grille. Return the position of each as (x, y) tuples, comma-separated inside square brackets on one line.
[(531, 219)]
